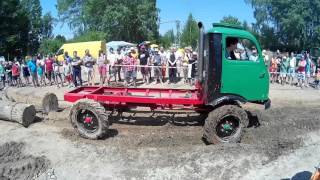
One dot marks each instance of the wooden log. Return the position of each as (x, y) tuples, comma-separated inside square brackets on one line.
[(43, 101), (17, 112)]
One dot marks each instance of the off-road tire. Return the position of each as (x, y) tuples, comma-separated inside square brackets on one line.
[(216, 116), (100, 113)]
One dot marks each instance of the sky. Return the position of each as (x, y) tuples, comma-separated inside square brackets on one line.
[(207, 11)]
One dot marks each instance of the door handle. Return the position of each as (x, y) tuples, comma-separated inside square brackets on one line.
[(262, 75)]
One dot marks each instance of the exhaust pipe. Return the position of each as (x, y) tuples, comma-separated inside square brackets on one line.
[(201, 53)]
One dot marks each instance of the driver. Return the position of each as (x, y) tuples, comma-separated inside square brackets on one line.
[(231, 46)]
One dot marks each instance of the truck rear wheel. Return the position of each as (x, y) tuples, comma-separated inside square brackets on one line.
[(225, 124), (89, 118)]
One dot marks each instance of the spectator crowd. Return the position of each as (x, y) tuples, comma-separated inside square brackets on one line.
[(120, 65), (293, 69)]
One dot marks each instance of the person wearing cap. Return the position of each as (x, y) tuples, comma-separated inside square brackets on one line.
[(144, 58)]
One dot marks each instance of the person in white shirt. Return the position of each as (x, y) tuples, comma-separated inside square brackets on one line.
[(164, 62), (254, 56), (112, 68)]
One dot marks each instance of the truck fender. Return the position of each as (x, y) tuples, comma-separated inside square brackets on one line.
[(228, 99)]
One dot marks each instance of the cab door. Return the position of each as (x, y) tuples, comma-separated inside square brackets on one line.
[(246, 75)]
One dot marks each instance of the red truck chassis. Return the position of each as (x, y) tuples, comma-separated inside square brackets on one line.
[(114, 97)]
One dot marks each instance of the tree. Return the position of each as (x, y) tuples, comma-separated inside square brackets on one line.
[(13, 29), (128, 20), (47, 26), (231, 20), (89, 36), (34, 12), (167, 39), (50, 46), (190, 33), (294, 22)]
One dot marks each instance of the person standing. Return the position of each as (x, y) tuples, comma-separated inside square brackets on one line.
[(130, 70), (157, 67), (302, 72), (164, 61), (283, 70), (112, 68), (119, 60), (102, 67), (57, 73), (25, 73), (41, 76), (144, 58), (2, 74), (185, 64), (292, 68), (32, 65), (8, 69), (308, 69), (67, 69), (88, 63), (76, 69), (16, 74), (192, 68), (172, 62), (49, 68)]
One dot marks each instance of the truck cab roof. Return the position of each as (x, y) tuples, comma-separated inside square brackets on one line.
[(224, 28)]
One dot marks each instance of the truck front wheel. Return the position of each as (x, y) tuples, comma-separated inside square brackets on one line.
[(225, 124), (89, 118)]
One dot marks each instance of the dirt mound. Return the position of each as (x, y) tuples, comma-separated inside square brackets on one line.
[(14, 164)]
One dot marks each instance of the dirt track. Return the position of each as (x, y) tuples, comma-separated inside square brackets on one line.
[(284, 142)]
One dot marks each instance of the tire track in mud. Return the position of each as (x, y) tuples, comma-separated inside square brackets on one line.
[(14, 164)]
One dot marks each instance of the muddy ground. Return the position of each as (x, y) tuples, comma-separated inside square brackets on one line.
[(283, 143)]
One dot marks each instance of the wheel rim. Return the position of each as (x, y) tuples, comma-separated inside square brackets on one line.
[(87, 120), (227, 127)]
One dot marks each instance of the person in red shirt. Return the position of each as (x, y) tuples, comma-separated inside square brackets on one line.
[(130, 69), (16, 74), (48, 64)]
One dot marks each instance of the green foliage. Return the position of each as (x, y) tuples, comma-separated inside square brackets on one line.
[(231, 20), (47, 26), (89, 36), (13, 29), (34, 13), (294, 23), (49, 46), (128, 20), (167, 39), (190, 33)]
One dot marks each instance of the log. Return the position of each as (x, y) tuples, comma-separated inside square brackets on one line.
[(17, 112), (43, 101)]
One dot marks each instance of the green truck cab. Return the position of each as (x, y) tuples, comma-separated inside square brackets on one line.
[(231, 72)]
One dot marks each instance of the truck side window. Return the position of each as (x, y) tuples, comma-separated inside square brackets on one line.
[(245, 50)]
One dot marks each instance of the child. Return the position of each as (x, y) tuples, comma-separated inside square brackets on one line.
[(16, 74), (40, 69), (57, 73), (67, 73)]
